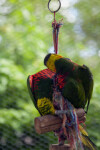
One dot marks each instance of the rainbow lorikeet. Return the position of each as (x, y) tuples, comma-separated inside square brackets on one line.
[(75, 83), (77, 80)]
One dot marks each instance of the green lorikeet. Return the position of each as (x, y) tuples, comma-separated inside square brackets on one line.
[(78, 80), (75, 83), (40, 87)]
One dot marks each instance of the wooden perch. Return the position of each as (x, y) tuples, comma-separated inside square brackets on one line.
[(57, 147), (50, 123), (47, 123)]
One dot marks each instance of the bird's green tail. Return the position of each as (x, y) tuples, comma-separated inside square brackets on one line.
[(87, 143)]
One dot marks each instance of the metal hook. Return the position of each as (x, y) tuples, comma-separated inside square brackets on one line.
[(55, 10)]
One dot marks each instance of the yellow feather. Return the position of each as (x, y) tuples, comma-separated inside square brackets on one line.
[(45, 106), (85, 139), (83, 131), (51, 61)]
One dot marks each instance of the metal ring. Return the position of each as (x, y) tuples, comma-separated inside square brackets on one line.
[(55, 10)]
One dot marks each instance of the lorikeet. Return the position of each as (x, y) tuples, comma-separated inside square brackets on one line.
[(75, 83), (40, 87), (78, 80)]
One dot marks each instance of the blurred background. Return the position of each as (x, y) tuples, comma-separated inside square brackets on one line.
[(25, 39)]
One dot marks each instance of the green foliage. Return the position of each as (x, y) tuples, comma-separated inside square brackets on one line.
[(25, 37)]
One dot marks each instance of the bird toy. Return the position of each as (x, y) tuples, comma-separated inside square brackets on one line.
[(55, 26), (61, 89)]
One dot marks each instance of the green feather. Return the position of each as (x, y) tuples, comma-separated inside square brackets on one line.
[(86, 77), (74, 92), (45, 88)]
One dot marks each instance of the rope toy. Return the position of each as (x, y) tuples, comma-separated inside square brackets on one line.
[(55, 25)]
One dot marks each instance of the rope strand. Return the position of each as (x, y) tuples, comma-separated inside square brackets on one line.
[(56, 27)]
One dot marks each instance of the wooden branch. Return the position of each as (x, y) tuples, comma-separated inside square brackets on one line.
[(47, 123), (50, 123), (57, 147)]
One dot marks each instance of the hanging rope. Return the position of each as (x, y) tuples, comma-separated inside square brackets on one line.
[(56, 27)]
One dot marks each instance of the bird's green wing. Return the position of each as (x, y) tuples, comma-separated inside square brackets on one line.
[(86, 78), (74, 92), (89, 92)]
